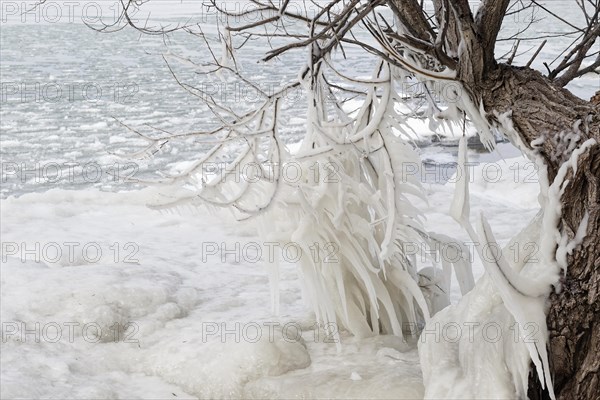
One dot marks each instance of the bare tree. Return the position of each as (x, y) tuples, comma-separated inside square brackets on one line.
[(449, 49)]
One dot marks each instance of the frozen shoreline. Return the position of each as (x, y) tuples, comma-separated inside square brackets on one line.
[(182, 300)]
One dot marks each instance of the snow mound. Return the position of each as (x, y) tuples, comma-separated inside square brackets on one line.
[(469, 351), (387, 365), (221, 369)]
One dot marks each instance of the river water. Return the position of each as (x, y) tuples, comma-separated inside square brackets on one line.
[(65, 87)]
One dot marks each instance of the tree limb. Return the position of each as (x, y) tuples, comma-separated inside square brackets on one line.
[(489, 20), (412, 18)]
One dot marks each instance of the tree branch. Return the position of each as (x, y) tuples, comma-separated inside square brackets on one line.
[(572, 66), (411, 16), (489, 20), (471, 60)]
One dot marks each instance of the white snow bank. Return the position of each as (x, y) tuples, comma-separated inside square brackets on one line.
[(113, 326), (108, 328), (467, 352)]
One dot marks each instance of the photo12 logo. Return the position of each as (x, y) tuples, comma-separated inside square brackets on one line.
[(67, 11), (253, 332), (240, 13), (69, 172), (71, 253), (489, 172), (67, 332), (490, 332), (56, 92), (254, 252)]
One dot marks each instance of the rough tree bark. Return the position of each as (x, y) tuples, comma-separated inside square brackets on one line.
[(542, 108), (574, 316)]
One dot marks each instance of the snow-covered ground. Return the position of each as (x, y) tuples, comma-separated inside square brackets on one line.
[(199, 325), (103, 297), (165, 313)]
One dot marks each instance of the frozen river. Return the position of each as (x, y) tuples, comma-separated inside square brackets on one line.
[(64, 86)]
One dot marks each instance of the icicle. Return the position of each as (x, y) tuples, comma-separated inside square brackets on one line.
[(226, 59), (460, 209)]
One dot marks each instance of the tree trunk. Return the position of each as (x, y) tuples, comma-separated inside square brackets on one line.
[(574, 316), (541, 109)]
